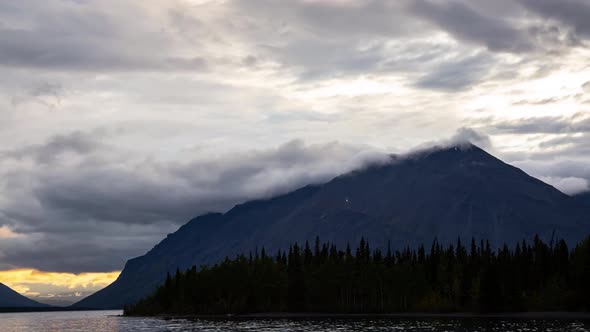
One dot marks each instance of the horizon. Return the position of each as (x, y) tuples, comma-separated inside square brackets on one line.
[(116, 134)]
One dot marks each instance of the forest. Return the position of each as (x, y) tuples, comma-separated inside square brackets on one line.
[(321, 278)]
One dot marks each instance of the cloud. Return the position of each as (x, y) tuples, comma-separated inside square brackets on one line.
[(570, 176), (578, 123), (133, 194), (76, 246), (7, 233), (73, 143), (108, 205), (573, 13), (67, 280), (558, 146), (463, 138), (465, 23), (457, 74), (572, 142), (468, 135), (334, 19), (46, 93), (317, 39), (501, 27), (55, 287), (544, 101), (88, 37), (568, 185)]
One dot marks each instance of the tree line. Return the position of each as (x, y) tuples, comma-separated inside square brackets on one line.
[(323, 278)]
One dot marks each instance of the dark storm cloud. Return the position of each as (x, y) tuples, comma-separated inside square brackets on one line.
[(49, 50), (499, 26), (317, 40), (573, 13), (68, 36), (108, 206), (134, 195), (313, 40), (322, 40), (75, 142), (465, 23), (48, 47), (95, 249)]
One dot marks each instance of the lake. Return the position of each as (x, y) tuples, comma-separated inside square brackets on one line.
[(109, 321)]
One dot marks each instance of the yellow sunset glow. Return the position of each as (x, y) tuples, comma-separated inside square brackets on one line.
[(30, 282)]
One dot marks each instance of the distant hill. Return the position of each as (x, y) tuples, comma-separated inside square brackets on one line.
[(12, 299), (446, 193)]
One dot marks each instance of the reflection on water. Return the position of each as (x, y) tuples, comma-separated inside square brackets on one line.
[(109, 321)]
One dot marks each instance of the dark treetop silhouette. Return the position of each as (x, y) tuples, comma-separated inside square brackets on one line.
[(532, 277)]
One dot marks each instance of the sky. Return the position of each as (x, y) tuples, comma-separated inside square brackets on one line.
[(121, 120)]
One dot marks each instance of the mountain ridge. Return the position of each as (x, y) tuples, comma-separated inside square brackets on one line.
[(458, 191), (11, 298)]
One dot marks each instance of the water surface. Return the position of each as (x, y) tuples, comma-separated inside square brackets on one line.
[(110, 321)]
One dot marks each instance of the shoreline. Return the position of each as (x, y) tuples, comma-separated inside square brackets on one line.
[(458, 315)]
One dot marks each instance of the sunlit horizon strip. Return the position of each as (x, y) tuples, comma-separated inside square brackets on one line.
[(35, 283)]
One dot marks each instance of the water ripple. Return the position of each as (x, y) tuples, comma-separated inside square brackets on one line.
[(109, 321)]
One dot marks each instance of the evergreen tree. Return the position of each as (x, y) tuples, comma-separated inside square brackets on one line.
[(537, 277)]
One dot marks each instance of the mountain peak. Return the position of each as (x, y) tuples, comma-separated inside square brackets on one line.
[(454, 151), (462, 146)]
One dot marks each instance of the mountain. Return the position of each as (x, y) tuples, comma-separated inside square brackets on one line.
[(445, 193), (584, 198), (12, 299)]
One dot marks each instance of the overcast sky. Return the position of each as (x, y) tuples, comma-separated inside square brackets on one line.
[(121, 120)]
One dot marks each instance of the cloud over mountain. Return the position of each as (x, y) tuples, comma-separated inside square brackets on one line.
[(106, 204)]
